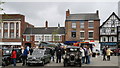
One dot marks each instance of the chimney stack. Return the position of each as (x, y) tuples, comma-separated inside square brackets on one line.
[(67, 13), (46, 24), (58, 25), (97, 12)]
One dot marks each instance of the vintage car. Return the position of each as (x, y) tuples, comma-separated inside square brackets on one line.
[(6, 59), (72, 56), (39, 56)]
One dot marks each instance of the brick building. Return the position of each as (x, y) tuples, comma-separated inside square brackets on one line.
[(33, 36), (82, 27), (12, 27)]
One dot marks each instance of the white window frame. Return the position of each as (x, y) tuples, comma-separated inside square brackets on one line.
[(27, 38), (74, 25), (82, 24), (88, 34), (59, 36), (38, 37), (89, 23), (80, 34), (12, 36), (11, 27), (50, 37)]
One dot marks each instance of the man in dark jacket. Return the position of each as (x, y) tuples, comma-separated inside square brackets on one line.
[(104, 53), (58, 50), (24, 55)]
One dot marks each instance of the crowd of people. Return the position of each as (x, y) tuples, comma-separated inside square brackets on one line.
[(86, 53)]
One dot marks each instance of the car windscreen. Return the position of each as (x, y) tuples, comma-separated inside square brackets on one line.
[(6, 52), (38, 52), (72, 49)]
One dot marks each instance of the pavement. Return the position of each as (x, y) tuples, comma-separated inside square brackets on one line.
[(97, 61)]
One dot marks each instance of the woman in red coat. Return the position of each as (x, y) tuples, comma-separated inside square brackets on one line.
[(13, 57)]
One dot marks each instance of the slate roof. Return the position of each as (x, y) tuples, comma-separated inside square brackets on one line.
[(43, 30), (87, 16)]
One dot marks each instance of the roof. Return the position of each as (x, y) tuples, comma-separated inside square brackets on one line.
[(87, 16), (110, 17), (43, 30)]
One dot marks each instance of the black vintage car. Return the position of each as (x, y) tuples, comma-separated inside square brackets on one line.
[(72, 56), (39, 56), (6, 59)]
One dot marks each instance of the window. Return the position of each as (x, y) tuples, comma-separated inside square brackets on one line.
[(56, 38), (11, 25), (17, 25), (38, 38), (81, 24), (17, 35), (27, 38), (0, 25), (73, 25), (47, 38), (91, 24), (90, 34), (0, 35), (12, 35), (112, 30), (5, 25), (103, 30), (104, 39), (73, 34), (119, 36), (112, 39), (5, 34), (81, 34)]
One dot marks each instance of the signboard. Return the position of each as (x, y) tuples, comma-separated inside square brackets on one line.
[(10, 43)]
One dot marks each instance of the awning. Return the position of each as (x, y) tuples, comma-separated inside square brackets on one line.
[(10, 43), (68, 42), (108, 43)]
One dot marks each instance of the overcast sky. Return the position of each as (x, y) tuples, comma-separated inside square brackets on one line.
[(37, 13)]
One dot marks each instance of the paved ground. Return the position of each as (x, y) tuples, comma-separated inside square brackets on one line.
[(94, 62)]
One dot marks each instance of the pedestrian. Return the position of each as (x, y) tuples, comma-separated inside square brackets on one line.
[(89, 54), (58, 53), (104, 53), (52, 51), (24, 56), (31, 51), (82, 50), (13, 57), (108, 52)]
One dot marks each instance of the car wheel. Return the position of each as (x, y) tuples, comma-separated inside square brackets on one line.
[(80, 64), (65, 64), (43, 63), (28, 64)]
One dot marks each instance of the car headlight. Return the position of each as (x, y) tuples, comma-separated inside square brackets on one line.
[(76, 57), (63, 56), (67, 57)]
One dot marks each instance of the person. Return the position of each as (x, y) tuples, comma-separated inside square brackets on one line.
[(89, 53), (13, 57), (108, 53), (52, 51), (82, 50), (31, 51), (58, 53), (24, 55), (104, 53)]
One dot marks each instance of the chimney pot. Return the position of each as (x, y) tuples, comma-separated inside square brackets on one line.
[(46, 24)]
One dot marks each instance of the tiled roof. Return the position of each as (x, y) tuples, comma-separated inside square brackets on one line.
[(43, 30), (87, 16)]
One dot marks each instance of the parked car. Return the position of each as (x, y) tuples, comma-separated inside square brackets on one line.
[(39, 56), (72, 56), (6, 59)]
